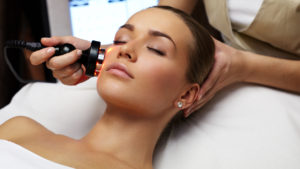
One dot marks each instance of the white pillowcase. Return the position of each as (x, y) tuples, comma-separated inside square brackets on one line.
[(68, 110), (244, 126)]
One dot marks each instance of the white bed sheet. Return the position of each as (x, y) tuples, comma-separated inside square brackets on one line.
[(69, 110), (245, 126)]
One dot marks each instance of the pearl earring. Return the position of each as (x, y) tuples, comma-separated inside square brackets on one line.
[(179, 104)]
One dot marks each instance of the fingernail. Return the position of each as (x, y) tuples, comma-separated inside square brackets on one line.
[(200, 97), (50, 50), (187, 113), (79, 52)]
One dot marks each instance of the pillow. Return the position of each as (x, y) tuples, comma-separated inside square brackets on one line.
[(68, 110), (244, 126)]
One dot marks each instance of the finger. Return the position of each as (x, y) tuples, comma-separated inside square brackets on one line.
[(188, 110), (203, 100), (74, 78), (208, 96), (56, 40), (200, 104), (67, 71), (84, 77), (41, 56), (59, 62), (49, 41), (191, 109), (210, 81)]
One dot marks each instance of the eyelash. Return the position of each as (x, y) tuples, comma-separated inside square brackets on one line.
[(158, 52), (116, 42)]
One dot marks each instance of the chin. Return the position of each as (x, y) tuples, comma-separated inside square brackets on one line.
[(115, 93), (124, 100)]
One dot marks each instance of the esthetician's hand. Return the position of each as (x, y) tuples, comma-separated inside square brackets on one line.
[(228, 69), (64, 67)]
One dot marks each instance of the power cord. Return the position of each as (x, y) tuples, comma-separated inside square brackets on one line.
[(19, 44)]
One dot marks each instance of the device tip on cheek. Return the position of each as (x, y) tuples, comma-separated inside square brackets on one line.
[(96, 73), (98, 68), (108, 50)]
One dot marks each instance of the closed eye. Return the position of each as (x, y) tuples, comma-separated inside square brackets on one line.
[(117, 42), (156, 51)]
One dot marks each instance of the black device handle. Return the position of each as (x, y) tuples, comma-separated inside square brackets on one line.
[(88, 58)]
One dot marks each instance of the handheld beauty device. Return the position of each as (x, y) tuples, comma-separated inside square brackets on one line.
[(90, 58)]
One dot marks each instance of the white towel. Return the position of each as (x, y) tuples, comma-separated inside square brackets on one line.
[(13, 156)]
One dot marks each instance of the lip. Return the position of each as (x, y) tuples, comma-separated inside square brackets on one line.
[(119, 69)]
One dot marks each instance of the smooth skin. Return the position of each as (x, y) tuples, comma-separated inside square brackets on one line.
[(233, 66), (63, 67), (138, 104)]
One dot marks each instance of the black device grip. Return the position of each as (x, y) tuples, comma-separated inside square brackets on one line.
[(88, 58), (63, 49)]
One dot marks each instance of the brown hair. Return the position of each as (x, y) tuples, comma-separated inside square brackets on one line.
[(201, 56), (200, 60)]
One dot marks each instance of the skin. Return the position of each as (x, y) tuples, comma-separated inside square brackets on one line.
[(231, 65), (235, 66), (63, 67), (138, 106)]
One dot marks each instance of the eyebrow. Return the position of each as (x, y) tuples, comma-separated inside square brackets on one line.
[(151, 32), (127, 26)]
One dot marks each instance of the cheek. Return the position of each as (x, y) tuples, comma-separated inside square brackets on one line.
[(161, 80), (104, 83)]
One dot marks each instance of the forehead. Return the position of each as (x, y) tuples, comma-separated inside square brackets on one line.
[(164, 21)]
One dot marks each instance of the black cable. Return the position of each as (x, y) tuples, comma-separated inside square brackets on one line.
[(33, 46), (20, 44)]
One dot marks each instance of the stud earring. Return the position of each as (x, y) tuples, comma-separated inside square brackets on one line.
[(179, 104)]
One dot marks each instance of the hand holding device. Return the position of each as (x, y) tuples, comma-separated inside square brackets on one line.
[(71, 63)]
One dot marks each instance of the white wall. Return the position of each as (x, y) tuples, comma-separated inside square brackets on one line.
[(59, 17)]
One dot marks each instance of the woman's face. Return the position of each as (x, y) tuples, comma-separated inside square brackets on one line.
[(144, 71)]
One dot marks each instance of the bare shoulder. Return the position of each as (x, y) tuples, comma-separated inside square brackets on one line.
[(19, 127)]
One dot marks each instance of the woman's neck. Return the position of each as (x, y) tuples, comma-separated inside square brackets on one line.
[(127, 138)]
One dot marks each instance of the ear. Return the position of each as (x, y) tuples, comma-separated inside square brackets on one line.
[(188, 96)]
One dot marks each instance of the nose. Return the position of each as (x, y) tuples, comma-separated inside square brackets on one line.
[(128, 51)]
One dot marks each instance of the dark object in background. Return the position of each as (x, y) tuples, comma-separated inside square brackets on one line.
[(26, 20), (199, 14)]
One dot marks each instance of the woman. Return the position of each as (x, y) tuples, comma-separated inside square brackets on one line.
[(153, 71), (232, 65)]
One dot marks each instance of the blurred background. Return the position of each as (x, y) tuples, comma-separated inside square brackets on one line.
[(20, 20)]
